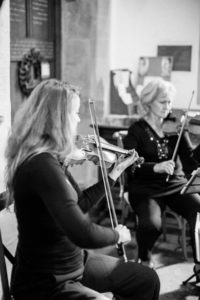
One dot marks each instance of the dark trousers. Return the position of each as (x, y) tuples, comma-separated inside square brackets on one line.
[(128, 281), (149, 212), (102, 273)]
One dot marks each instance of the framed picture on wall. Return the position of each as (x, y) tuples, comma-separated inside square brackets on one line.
[(123, 97), (181, 56), (151, 67)]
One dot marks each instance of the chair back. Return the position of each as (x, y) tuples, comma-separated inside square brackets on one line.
[(119, 136), (123, 195), (3, 271), (197, 237)]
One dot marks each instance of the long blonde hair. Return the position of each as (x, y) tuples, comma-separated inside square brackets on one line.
[(42, 124), (155, 88)]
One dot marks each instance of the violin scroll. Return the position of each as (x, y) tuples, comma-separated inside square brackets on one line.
[(137, 164)]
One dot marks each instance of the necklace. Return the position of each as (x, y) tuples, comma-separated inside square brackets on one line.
[(161, 143)]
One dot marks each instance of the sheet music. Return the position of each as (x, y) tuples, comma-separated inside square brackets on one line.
[(193, 184)]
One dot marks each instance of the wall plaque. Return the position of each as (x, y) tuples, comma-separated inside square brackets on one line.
[(31, 19), (181, 56), (151, 67), (18, 19), (40, 19)]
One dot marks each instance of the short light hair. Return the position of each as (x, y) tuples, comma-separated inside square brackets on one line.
[(153, 90), (42, 124)]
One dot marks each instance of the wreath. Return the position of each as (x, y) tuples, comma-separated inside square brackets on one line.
[(29, 72)]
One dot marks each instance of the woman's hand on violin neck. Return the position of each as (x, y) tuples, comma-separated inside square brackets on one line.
[(122, 163), (124, 234), (166, 167)]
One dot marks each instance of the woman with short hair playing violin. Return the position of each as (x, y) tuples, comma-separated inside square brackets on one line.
[(160, 179)]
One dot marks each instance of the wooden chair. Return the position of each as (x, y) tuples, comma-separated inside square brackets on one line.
[(4, 254), (3, 270), (182, 230), (123, 194)]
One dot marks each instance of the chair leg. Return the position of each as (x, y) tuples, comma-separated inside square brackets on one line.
[(124, 210), (125, 206), (164, 227), (192, 276), (184, 239)]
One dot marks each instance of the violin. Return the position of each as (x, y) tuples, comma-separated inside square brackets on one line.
[(172, 124), (194, 125), (88, 146)]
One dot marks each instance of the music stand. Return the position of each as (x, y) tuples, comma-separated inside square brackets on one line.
[(193, 186)]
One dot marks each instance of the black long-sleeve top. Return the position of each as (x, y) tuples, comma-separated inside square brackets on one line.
[(52, 224), (144, 181)]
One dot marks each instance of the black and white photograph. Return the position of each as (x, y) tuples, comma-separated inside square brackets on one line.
[(100, 149)]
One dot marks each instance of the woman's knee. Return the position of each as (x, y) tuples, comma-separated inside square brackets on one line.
[(150, 284), (137, 282), (152, 278), (154, 285)]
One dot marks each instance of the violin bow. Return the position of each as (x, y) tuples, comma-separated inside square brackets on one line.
[(109, 198), (181, 132)]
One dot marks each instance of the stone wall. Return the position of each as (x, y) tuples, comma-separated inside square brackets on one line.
[(85, 50), (5, 61), (5, 109), (85, 62)]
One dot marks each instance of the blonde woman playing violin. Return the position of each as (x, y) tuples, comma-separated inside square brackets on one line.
[(149, 191), (51, 210)]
